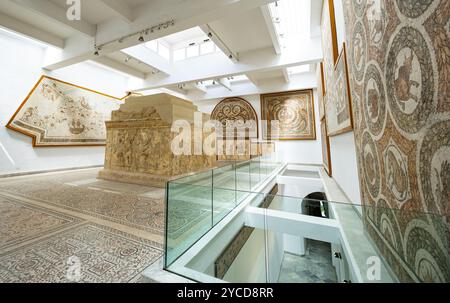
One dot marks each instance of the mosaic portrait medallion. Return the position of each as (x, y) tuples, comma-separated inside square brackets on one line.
[(377, 20), (435, 168), (396, 173), (409, 69), (358, 59), (413, 8), (372, 166), (375, 98)]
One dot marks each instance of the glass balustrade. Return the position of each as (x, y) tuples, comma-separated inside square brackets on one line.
[(275, 238)]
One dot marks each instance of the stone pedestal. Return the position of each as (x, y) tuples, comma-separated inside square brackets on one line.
[(139, 138)]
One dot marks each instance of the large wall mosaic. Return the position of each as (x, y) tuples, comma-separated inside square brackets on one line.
[(57, 113), (293, 112), (399, 54)]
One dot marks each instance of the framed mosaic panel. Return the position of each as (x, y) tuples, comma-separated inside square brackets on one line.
[(326, 154), (329, 43), (58, 114), (320, 90), (338, 107), (289, 114)]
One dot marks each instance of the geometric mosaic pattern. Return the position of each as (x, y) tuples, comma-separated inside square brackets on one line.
[(43, 238), (102, 255), (399, 53), (134, 210)]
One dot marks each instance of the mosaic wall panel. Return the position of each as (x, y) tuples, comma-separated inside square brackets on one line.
[(399, 56), (337, 106), (57, 113), (294, 112), (326, 155), (320, 90)]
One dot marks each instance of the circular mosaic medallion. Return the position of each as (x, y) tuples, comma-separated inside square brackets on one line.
[(409, 70), (413, 8), (358, 58), (375, 100), (371, 164), (386, 223), (359, 7), (425, 254), (434, 166), (377, 20)]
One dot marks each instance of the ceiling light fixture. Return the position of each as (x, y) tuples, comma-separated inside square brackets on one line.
[(140, 33), (128, 58)]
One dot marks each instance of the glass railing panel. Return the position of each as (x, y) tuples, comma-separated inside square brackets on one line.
[(189, 216), (200, 179), (224, 201), (386, 244), (255, 172), (243, 182)]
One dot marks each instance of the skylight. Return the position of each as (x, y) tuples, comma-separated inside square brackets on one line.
[(238, 78), (291, 19)]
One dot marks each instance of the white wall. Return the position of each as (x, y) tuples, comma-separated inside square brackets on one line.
[(20, 62), (293, 151), (344, 165), (342, 147)]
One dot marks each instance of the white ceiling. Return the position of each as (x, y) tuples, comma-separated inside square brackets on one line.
[(246, 29), (183, 36), (243, 32)]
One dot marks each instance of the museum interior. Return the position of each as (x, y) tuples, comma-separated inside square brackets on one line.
[(289, 141)]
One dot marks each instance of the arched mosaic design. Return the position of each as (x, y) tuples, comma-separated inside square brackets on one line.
[(236, 110)]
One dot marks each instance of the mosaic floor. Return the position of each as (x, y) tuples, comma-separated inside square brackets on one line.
[(71, 227), (314, 267)]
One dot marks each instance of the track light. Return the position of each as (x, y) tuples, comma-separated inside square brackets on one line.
[(127, 59), (141, 38), (96, 53), (210, 34), (230, 56)]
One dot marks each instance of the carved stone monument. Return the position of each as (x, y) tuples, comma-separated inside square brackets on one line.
[(139, 139)]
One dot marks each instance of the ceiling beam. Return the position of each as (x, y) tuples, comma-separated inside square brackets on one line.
[(245, 88), (30, 31), (186, 14), (224, 82), (150, 58), (233, 56), (57, 14), (123, 68), (120, 9), (219, 66), (271, 28), (252, 78)]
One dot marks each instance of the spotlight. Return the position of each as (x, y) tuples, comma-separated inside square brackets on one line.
[(230, 56), (210, 34), (141, 38), (96, 53), (127, 59)]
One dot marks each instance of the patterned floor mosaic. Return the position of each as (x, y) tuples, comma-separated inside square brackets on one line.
[(71, 227), (314, 267)]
